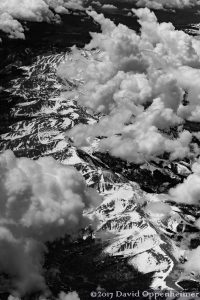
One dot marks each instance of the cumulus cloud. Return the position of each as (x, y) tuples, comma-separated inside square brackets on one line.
[(108, 8), (193, 264), (62, 296), (156, 4), (161, 4), (69, 296), (12, 11), (189, 191), (40, 201), (138, 82), (11, 26)]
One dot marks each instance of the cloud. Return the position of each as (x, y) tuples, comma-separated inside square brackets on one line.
[(138, 83), (12, 11), (69, 296), (108, 8), (162, 4), (154, 4), (11, 26), (157, 208), (193, 264), (61, 296), (188, 191), (40, 201)]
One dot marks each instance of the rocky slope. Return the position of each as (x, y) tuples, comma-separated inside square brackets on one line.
[(130, 242)]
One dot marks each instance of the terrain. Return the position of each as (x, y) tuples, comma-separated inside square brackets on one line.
[(131, 248)]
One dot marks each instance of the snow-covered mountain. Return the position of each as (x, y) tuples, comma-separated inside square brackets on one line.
[(149, 243)]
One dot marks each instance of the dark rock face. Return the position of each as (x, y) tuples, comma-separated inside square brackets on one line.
[(83, 267)]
